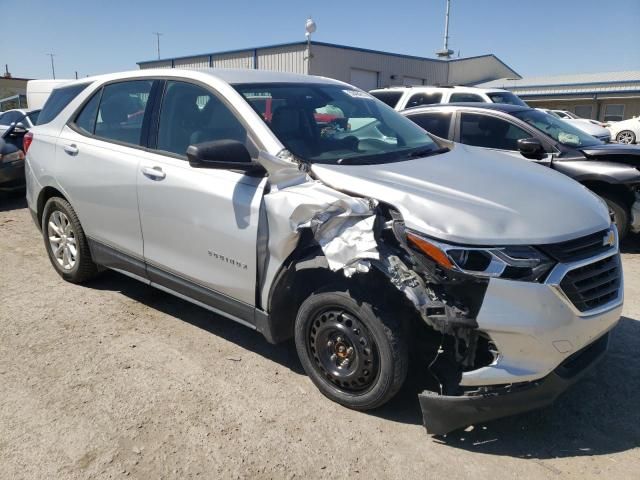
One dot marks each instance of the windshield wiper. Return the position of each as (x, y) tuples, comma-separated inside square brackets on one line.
[(427, 152)]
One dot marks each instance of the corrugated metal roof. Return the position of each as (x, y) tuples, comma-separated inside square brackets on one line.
[(334, 45), (604, 79)]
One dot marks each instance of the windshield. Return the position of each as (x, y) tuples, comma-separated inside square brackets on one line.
[(506, 97), (557, 128), (336, 124)]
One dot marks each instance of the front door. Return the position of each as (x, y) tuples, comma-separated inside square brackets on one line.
[(488, 131), (199, 225)]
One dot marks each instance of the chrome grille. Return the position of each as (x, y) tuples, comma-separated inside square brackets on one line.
[(578, 248), (593, 285)]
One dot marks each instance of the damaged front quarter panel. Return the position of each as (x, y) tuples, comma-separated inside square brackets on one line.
[(356, 234)]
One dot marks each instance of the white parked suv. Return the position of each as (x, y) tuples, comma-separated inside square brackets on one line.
[(302, 207), (401, 98)]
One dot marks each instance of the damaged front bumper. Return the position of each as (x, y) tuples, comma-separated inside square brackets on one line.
[(443, 414)]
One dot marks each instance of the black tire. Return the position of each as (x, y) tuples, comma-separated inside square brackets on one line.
[(620, 213), (362, 385), (83, 268), (626, 136)]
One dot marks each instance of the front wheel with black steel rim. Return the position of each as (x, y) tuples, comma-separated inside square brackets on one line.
[(65, 242), (626, 136), (354, 353)]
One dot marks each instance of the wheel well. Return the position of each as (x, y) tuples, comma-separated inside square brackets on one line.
[(46, 194), (620, 191), (311, 274)]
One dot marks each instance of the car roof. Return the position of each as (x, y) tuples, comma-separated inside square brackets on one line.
[(232, 76), (500, 107), (418, 88)]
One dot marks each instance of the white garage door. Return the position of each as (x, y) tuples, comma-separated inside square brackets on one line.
[(364, 79), (408, 81)]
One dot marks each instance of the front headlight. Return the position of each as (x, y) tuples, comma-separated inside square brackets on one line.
[(519, 262)]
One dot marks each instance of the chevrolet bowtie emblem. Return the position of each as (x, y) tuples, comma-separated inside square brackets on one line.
[(609, 239)]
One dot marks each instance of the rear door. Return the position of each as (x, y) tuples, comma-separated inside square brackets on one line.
[(199, 224), (98, 155)]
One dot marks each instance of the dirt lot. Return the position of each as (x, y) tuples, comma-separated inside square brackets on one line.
[(117, 379)]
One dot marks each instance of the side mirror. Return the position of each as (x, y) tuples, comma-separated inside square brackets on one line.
[(531, 148), (16, 129), (228, 154)]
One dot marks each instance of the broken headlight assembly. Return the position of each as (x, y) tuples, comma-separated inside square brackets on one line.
[(518, 262)]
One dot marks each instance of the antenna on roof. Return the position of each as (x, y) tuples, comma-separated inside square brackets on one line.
[(446, 52)]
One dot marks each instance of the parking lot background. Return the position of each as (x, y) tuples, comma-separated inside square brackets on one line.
[(115, 379)]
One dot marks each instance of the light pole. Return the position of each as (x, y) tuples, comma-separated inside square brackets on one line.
[(53, 68), (446, 52), (158, 35), (309, 27)]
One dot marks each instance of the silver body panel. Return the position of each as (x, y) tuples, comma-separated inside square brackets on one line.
[(201, 224), (100, 182)]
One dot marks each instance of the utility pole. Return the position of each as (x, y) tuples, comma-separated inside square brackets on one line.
[(309, 28), (158, 35), (53, 68), (445, 52)]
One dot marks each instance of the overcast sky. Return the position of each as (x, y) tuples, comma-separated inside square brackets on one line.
[(538, 37)]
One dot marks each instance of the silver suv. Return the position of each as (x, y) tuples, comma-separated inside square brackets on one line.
[(302, 207)]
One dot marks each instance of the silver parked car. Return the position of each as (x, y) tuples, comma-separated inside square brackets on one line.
[(303, 207)]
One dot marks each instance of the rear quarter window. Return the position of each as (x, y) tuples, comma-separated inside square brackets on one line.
[(58, 100)]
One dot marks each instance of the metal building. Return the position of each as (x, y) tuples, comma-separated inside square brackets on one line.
[(607, 96), (364, 68)]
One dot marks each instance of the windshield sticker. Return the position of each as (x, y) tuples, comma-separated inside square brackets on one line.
[(358, 94)]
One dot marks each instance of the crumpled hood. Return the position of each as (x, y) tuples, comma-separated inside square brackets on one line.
[(474, 196)]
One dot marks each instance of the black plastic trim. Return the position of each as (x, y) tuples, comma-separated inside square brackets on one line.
[(443, 414), (202, 294), (109, 257)]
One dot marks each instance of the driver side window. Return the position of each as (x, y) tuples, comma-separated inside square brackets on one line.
[(190, 114), (490, 132)]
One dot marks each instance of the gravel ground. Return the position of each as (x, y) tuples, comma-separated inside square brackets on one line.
[(116, 379)]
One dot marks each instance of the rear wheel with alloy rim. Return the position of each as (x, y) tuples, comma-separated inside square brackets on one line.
[(65, 242), (356, 355), (626, 136)]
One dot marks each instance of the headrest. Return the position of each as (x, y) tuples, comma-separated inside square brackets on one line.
[(118, 108)]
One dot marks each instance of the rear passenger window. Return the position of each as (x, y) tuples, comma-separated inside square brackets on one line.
[(58, 100), (465, 97), (121, 111), (418, 99), (490, 132), (86, 121), (435, 123), (191, 114)]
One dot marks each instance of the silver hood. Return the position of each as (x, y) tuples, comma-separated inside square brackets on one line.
[(475, 196)]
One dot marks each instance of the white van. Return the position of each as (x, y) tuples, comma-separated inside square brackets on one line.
[(39, 90)]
